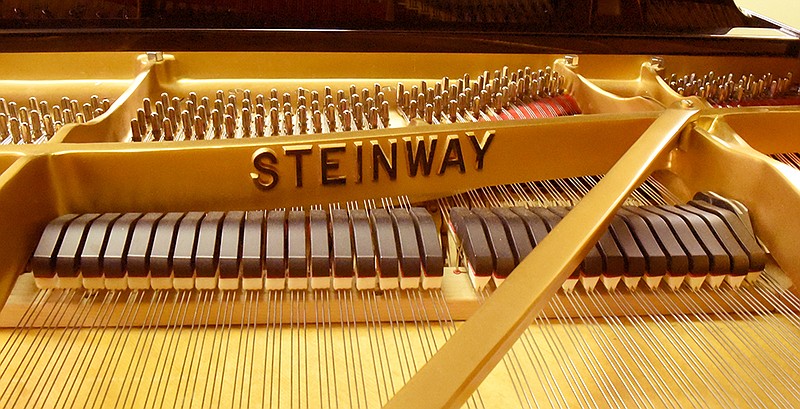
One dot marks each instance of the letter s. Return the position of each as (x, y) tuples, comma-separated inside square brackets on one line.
[(266, 175)]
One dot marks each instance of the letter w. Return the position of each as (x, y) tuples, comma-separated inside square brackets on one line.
[(420, 157)]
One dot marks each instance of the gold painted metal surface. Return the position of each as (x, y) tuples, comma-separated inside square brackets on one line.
[(461, 365), (91, 168), (736, 170), (206, 175)]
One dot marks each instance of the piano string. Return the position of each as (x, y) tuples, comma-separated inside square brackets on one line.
[(699, 341)]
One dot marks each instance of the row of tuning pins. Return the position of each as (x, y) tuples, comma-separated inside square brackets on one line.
[(725, 88), (465, 100), (39, 121), (229, 117)]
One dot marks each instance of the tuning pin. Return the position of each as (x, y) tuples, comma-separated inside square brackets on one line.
[(260, 125), (505, 92), (25, 133), (23, 114), (191, 108), (405, 102), (365, 94), (372, 118), (155, 125), (205, 102), (273, 93), (164, 99), (67, 116), (401, 90), (462, 102), (175, 103), (159, 110), (476, 107), (512, 92), (136, 135), (202, 112), (216, 123), (172, 115), (231, 103), (498, 102), (412, 110), (453, 110), (3, 126), (14, 127), (33, 103), (316, 121), (245, 122), (75, 106), (199, 127), (49, 126), (358, 115), (88, 112), (273, 121), (302, 119), (166, 124), (427, 113), (43, 108), (330, 116), (36, 124), (347, 120), (437, 106), (230, 127), (246, 95), (186, 124), (193, 99), (287, 123), (384, 113)]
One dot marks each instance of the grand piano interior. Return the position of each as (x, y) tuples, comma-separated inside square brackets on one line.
[(398, 203)]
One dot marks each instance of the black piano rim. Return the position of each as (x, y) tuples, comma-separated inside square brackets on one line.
[(342, 40)]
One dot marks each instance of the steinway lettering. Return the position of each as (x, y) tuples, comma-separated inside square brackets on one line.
[(372, 160)]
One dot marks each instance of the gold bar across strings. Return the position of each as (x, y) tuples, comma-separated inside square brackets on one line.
[(456, 370)]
